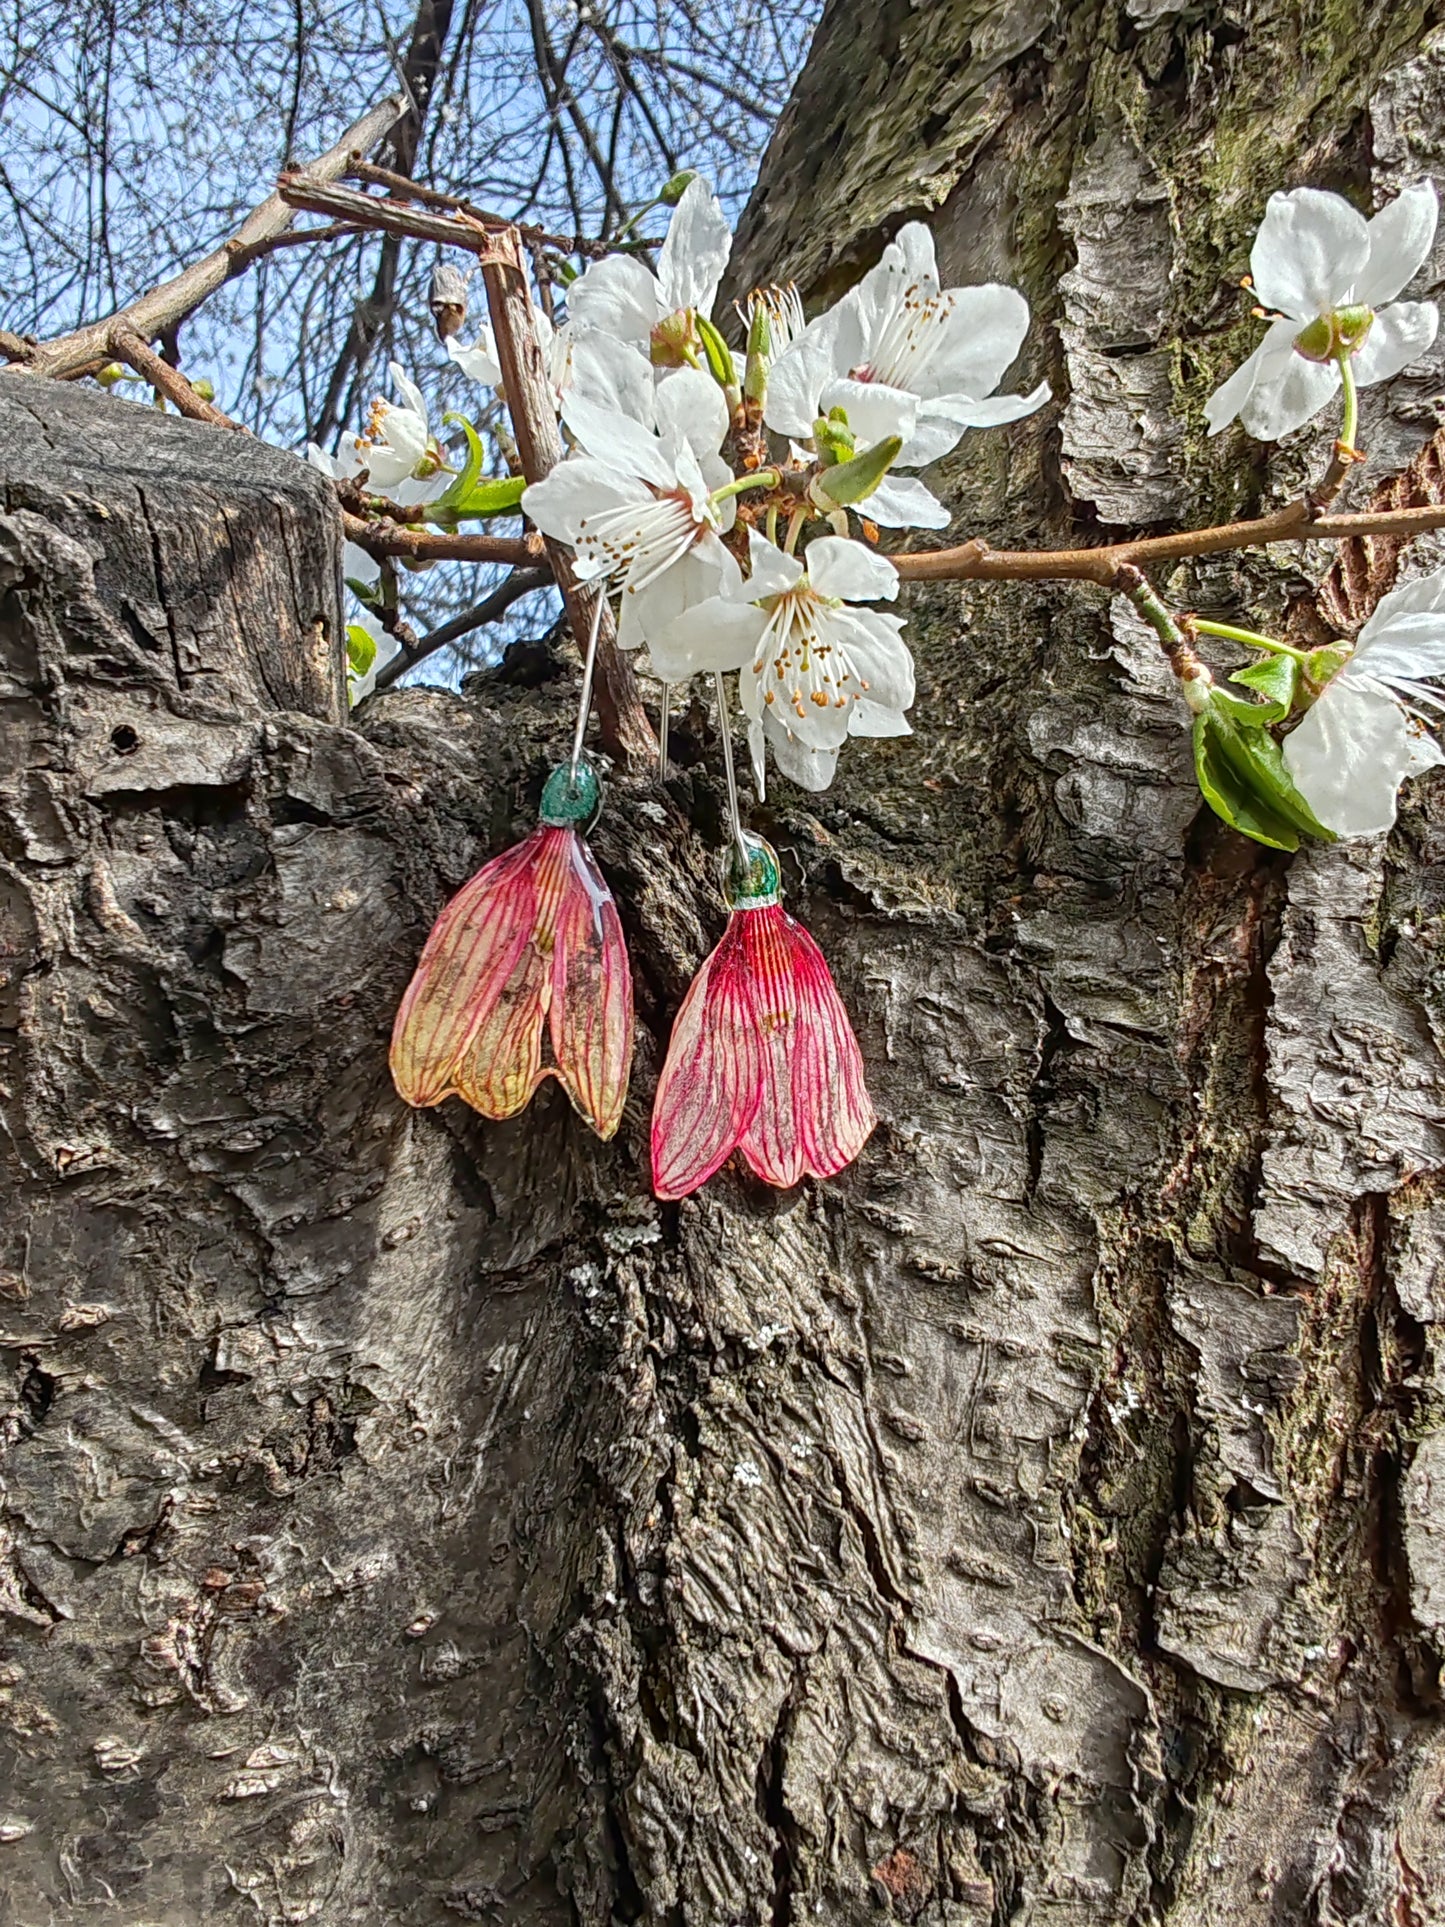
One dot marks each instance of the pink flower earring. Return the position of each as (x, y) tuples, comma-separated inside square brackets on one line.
[(763, 1059)]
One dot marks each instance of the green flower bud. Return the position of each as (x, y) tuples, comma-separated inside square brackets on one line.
[(675, 341), (854, 481), (205, 388), (677, 186)]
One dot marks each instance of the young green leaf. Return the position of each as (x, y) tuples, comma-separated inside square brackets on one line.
[(360, 649), (1274, 677), (1243, 778)]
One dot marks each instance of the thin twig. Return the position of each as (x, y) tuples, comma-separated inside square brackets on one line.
[(386, 538), (128, 347), (491, 608), (405, 190), (393, 216), (625, 731), (975, 561), (164, 306)]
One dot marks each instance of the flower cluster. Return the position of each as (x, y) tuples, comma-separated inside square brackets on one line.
[(726, 555), (731, 499)]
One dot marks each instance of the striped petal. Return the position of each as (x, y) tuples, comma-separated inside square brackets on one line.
[(591, 1014), (814, 1114), (479, 948), (712, 1079), (763, 1060)]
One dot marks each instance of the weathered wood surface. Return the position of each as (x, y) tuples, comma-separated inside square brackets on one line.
[(218, 558), (408, 1520)]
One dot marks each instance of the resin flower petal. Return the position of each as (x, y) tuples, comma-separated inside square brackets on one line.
[(533, 940), (763, 1060)]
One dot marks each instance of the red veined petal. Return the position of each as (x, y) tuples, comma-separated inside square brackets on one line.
[(591, 1017), (815, 1113), (478, 947), (711, 1082), (502, 1065)]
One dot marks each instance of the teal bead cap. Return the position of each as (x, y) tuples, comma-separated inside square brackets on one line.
[(571, 797), (758, 884)]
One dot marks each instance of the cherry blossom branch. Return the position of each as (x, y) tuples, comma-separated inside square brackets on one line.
[(622, 721), (418, 545), (975, 561), (534, 237), (163, 307), (376, 211)]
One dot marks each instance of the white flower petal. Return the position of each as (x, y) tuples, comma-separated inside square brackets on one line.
[(846, 569), (1308, 253), (903, 502), (479, 362), (872, 719), (618, 295), (1423, 597), (1348, 756), (712, 635), (770, 571), (689, 582), (1286, 394), (879, 655), (695, 252), (914, 242), (1398, 335), (412, 394), (874, 411), (1401, 237), (810, 768), (608, 373), (576, 489), (826, 348), (690, 405), (619, 441), (978, 340), (993, 411)]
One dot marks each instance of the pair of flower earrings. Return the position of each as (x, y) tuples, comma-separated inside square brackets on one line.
[(762, 1060)]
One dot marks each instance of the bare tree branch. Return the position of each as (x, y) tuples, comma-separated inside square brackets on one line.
[(522, 582), (164, 306)]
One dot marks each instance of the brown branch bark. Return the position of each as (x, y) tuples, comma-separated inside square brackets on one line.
[(128, 347), (975, 561), (522, 582), (624, 728), (418, 545), (393, 217), (164, 306), (405, 189)]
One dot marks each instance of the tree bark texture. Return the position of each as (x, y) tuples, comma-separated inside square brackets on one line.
[(406, 1518)]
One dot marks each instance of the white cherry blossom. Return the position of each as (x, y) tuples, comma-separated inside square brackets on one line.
[(622, 297), (479, 362), (1361, 738), (1330, 278), (903, 356), (397, 446), (814, 667), (637, 506), (596, 367)]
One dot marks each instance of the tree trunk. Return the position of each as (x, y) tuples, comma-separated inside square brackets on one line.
[(407, 1518)]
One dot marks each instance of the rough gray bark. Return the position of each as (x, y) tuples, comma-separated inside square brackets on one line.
[(407, 1519)]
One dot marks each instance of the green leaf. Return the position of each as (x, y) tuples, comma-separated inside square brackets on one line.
[(1275, 678), (461, 485), (368, 594), (468, 494), (360, 649), (1243, 778)]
